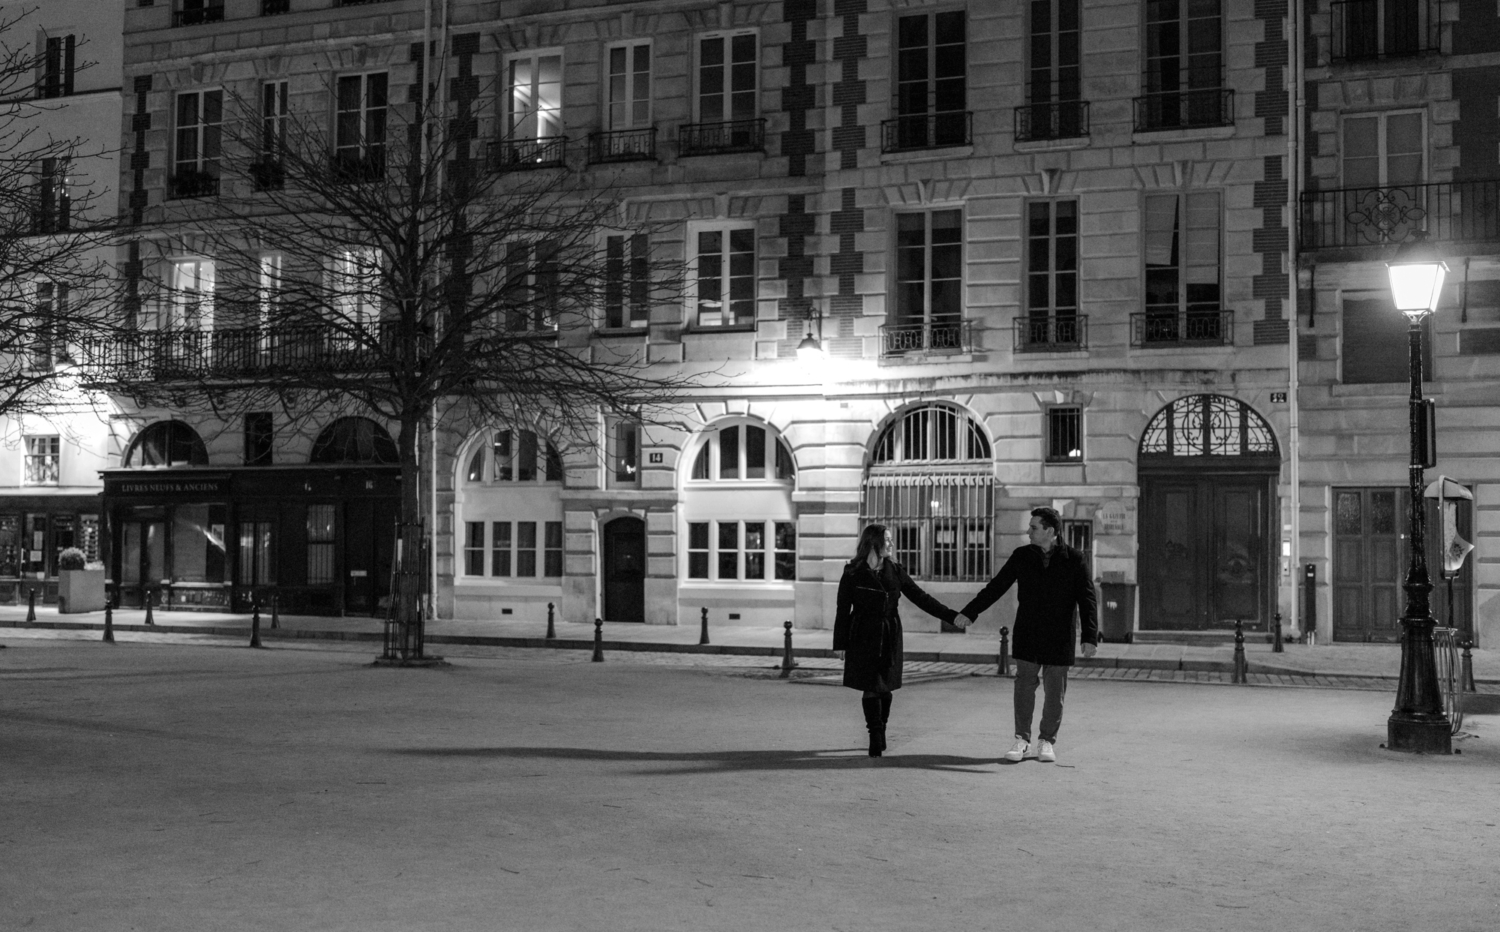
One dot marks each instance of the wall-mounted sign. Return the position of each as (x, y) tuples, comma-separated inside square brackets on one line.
[(1278, 398), (653, 457), (168, 486)]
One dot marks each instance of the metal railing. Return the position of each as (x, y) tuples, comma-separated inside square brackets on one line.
[(1066, 119), (626, 145), (1369, 30), (206, 14), (1184, 109), (1451, 211), (358, 166), (929, 337), (275, 7), (508, 155), (192, 184), (717, 138), (1051, 334), (927, 131), (1171, 327)]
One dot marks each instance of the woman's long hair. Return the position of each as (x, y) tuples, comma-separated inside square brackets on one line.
[(873, 538)]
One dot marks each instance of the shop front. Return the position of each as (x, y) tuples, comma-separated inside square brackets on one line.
[(317, 539), (34, 529)]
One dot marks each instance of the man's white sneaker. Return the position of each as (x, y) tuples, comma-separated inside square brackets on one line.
[(1045, 752), (1018, 752)]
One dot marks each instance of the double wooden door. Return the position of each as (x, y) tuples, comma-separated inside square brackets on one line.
[(1204, 562)]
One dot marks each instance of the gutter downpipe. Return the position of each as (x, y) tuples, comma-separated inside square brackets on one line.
[(1298, 104)]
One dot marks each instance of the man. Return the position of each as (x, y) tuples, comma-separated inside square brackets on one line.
[(1053, 580)]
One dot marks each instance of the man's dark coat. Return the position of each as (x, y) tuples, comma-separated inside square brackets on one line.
[(1043, 631), (867, 626)]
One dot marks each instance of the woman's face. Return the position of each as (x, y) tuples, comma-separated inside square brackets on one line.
[(883, 546)]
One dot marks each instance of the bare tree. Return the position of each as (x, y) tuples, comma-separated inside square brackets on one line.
[(386, 269)]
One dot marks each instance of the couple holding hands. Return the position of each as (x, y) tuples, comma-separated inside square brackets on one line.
[(1053, 580)]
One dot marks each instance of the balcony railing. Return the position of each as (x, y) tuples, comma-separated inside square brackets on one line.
[(510, 155), (193, 183), (1184, 109), (717, 138), (927, 131), (628, 145), (1368, 30), (1051, 334), (196, 17), (946, 337), (359, 167), (1066, 119), (275, 7), (1453, 211), (267, 174), (1171, 327)]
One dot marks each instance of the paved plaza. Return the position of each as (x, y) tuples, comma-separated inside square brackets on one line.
[(160, 784)]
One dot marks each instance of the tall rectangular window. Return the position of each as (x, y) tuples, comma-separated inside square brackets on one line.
[(357, 286), (929, 275), (1052, 273), (755, 550), (271, 290), (500, 554), (268, 170), (197, 144), (627, 280), (474, 548), (1384, 150), (1064, 434), (533, 96), (554, 550), (728, 78), (698, 550), (1370, 29), (257, 551), (931, 80), (526, 548), (628, 87), (43, 460), (1183, 262), (1054, 77), (54, 206), (43, 338), (191, 305), (786, 549), (1184, 64), (729, 550), (623, 447), (57, 67), (360, 126), (532, 273), (320, 544), (259, 431), (725, 276)]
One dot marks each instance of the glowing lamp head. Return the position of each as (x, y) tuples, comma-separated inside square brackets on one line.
[(1417, 274)]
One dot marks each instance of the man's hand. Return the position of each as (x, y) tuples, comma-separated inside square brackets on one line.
[(838, 654), (1089, 650), (962, 620)]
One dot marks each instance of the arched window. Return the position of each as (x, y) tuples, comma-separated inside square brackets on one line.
[(743, 451), (931, 483), (514, 456), (167, 443), (354, 440), (1208, 425)]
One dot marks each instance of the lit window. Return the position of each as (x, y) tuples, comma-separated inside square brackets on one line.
[(1065, 434), (533, 97), (515, 456), (43, 460), (743, 451)]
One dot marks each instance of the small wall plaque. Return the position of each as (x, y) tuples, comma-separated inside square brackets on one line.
[(1278, 398)]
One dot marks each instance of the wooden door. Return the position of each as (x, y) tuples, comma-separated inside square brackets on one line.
[(1203, 562), (1369, 563), (625, 570), (360, 533), (1171, 564)]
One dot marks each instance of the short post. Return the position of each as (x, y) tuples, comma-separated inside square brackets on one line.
[(598, 640), (30, 606), (551, 628), (1240, 671), (786, 652), (1276, 647), (1467, 684), (275, 610), (255, 623), (703, 634), (109, 623), (150, 597), (1004, 669)]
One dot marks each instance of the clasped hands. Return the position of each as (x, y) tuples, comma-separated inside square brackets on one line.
[(963, 621)]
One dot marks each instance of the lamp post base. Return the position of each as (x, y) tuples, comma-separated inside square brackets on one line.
[(1415, 733)]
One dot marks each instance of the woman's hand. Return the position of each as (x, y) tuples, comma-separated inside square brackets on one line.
[(838, 654)]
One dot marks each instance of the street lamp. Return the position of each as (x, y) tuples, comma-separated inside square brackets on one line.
[(1417, 723), (810, 350)]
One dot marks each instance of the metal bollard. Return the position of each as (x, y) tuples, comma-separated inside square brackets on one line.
[(1467, 684), (109, 623), (149, 599), (275, 610), (1240, 671), (598, 640), (1277, 648), (30, 606), (786, 652), (703, 636), (551, 628), (1004, 667), (255, 623)]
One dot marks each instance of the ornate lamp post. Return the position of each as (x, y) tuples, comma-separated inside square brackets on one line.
[(1418, 724), (810, 350)]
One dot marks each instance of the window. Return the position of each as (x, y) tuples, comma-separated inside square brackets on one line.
[(533, 96), (623, 448), (753, 551), (724, 457), (728, 78), (54, 207), (43, 460), (474, 548), (1080, 536), (192, 296), (268, 171), (354, 440), (167, 443), (1054, 80), (357, 286), (552, 554), (1384, 150), (1052, 276), (195, 160), (259, 431), (46, 335), (726, 276), (1065, 434), (931, 83), (1208, 425), (1182, 258), (514, 549), (531, 287), (929, 282), (257, 547), (320, 544), (197, 545), (198, 12), (1370, 29), (1184, 77), (628, 87), (57, 67), (515, 456), (359, 126), (275, 7), (627, 281), (1375, 344), (271, 287)]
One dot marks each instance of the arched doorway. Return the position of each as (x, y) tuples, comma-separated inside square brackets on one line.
[(625, 570), (1208, 467)]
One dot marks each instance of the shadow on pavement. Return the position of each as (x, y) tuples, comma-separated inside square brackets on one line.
[(723, 761)]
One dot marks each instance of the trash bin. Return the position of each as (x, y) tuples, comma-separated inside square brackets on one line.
[(1117, 612)]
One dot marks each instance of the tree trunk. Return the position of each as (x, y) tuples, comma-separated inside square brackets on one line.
[(410, 565)]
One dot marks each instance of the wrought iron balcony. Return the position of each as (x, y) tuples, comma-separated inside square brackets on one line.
[(1066, 119), (717, 138), (628, 145), (1059, 334), (359, 167), (1184, 109), (203, 13), (1171, 327), (946, 337), (193, 183), (1370, 30), (510, 155), (1453, 211), (927, 131)]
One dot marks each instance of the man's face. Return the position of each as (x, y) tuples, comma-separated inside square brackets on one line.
[(1040, 534)]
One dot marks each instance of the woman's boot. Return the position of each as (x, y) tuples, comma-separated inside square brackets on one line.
[(885, 715), (874, 724)]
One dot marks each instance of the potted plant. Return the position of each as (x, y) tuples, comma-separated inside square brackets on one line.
[(79, 589)]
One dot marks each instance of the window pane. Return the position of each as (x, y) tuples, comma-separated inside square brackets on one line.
[(755, 452), (729, 453)]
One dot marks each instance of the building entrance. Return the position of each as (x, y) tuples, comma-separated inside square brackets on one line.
[(625, 570)]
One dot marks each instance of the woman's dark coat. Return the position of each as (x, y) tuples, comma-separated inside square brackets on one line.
[(1047, 595), (867, 626)]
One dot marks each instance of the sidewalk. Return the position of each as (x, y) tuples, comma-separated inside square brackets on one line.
[(1344, 660)]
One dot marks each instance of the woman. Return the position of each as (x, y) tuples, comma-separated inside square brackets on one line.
[(867, 628)]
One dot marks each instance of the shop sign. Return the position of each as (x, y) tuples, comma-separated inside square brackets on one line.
[(174, 487)]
